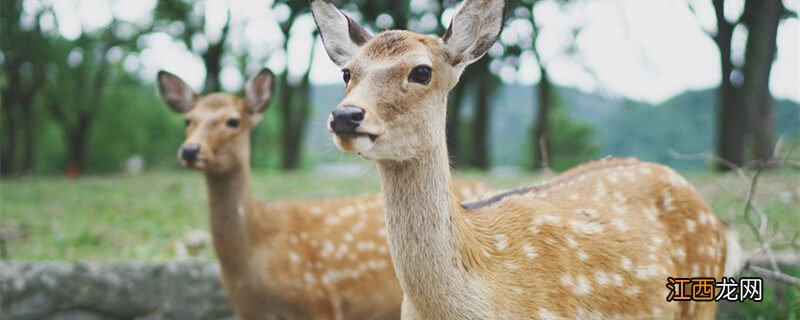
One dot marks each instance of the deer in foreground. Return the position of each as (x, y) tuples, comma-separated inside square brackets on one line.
[(597, 242), (324, 259)]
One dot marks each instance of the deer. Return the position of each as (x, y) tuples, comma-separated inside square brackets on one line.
[(320, 259), (598, 241)]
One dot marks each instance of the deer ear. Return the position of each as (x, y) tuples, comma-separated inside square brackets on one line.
[(176, 93), (473, 30), (341, 35), (258, 91)]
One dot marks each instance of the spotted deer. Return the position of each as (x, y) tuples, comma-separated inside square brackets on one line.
[(597, 242), (324, 259)]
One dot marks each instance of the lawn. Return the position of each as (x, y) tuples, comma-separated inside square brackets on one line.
[(142, 217)]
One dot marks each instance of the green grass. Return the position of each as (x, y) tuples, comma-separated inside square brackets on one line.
[(140, 217), (110, 218)]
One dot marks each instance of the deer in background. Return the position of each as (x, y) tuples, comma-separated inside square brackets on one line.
[(597, 242), (325, 259)]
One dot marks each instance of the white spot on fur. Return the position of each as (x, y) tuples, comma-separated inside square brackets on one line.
[(618, 195), (620, 224), (347, 211), (293, 257), (734, 258), (332, 220), (315, 210), (691, 226), (702, 218), (530, 251), (667, 201), (626, 263), (679, 253), (586, 227), (651, 213), (573, 197), (602, 278), (545, 314), (309, 277), (240, 211), (582, 255), (632, 291), (571, 242), (588, 315), (382, 232), (348, 237), (500, 242), (616, 279), (327, 248), (580, 285), (546, 219)]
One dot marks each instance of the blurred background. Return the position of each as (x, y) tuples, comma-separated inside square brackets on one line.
[(87, 147)]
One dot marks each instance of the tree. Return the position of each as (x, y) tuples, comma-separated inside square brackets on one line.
[(181, 11), (761, 17), (743, 98), (25, 56)]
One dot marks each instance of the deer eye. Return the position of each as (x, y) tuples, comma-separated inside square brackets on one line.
[(188, 122), (346, 76), (232, 123), (420, 74)]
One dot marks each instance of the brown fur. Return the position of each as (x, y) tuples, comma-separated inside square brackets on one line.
[(598, 241), (324, 259)]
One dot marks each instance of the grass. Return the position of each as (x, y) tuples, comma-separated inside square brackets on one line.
[(142, 217)]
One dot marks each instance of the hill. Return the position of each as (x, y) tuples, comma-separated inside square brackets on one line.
[(684, 123)]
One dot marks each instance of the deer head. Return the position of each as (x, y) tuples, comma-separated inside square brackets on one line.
[(397, 82), (217, 125)]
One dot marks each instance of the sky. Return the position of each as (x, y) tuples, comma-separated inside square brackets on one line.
[(644, 50)]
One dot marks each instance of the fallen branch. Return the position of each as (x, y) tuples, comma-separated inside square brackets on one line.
[(751, 207)]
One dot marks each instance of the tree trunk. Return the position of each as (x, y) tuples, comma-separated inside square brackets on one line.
[(541, 130), (761, 18), (78, 142), (212, 59), (732, 116), (9, 137), (454, 123), (480, 126)]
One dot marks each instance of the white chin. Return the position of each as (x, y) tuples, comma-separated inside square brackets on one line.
[(359, 143)]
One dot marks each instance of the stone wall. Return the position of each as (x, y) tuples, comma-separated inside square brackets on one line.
[(138, 290), (126, 290)]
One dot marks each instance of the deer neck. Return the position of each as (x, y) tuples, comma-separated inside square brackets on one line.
[(231, 205), (423, 240)]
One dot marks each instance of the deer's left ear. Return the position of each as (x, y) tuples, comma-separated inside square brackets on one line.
[(473, 30), (341, 35), (258, 91)]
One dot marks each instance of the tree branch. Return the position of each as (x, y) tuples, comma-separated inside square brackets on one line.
[(759, 229)]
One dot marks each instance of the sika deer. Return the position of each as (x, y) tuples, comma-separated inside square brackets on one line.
[(323, 259), (597, 242)]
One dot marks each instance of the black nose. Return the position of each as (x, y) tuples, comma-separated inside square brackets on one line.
[(190, 153), (346, 119)]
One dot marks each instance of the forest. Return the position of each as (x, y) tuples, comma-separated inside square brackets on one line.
[(80, 103)]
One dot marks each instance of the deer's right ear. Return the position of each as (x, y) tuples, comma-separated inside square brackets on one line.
[(341, 35), (473, 30), (176, 93)]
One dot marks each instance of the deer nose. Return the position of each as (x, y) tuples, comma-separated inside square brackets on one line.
[(346, 119), (190, 153)]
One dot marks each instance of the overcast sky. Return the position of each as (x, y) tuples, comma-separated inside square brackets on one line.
[(640, 49)]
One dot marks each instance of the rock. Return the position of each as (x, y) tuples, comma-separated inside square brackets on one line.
[(129, 290)]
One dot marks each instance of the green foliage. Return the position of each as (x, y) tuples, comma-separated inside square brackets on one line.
[(570, 141)]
